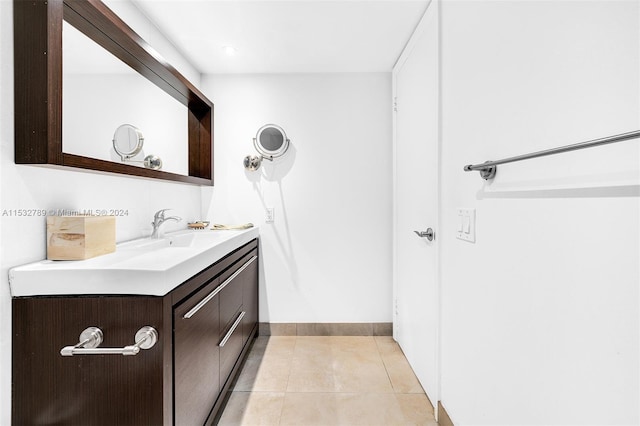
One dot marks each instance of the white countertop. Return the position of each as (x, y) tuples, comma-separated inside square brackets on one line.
[(138, 267)]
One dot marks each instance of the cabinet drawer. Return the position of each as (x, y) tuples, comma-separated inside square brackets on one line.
[(250, 298), (234, 283), (232, 313), (231, 346), (196, 356), (230, 329), (243, 292), (230, 304)]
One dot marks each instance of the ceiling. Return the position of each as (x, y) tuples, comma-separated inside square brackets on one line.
[(287, 36)]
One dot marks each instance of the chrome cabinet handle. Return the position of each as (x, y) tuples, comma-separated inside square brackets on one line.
[(428, 234), (217, 290), (232, 329), (92, 337)]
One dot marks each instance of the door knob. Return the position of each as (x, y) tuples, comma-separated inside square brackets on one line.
[(428, 234)]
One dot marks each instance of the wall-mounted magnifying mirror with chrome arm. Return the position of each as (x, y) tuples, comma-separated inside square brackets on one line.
[(271, 142), (128, 142)]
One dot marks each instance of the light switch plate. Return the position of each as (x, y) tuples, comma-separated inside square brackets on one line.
[(466, 225)]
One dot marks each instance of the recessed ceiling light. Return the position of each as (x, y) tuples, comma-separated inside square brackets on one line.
[(229, 50)]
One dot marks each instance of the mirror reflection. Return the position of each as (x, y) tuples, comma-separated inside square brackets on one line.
[(100, 92), (127, 141), (271, 139)]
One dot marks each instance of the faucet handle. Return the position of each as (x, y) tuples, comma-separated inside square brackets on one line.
[(160, 214)]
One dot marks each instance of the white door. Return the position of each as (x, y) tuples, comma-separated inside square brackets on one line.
[(416, 195)]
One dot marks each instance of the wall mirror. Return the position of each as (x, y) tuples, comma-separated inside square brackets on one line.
[(63, 118), (99, 92)]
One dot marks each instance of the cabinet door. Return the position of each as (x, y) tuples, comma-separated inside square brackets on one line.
[(196, 356), (86, 389), (250, 298)]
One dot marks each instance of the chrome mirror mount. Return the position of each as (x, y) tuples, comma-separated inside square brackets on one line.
[(252, 162)]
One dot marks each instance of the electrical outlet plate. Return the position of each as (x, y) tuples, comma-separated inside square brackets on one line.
[(269, 215), (466, 225)]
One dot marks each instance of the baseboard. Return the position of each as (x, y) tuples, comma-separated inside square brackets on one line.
[(326, 329), (443, 416)]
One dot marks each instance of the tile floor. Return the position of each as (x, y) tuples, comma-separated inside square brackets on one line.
[(327, 381)]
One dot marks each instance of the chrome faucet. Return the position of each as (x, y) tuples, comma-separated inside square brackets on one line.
[(159, 219)]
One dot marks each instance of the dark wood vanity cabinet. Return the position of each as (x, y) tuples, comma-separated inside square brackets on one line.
[(196, 359), (205, 327)]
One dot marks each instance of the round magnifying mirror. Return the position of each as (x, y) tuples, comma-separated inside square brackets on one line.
[(127, 141), (271, 141)]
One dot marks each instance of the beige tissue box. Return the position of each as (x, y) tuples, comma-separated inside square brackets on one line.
[(80, 237)]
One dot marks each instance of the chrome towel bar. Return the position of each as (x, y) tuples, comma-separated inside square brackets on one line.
[(92, 337), (488, 168)]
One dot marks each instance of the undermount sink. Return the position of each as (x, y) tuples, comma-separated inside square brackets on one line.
[(186, 240), (146, 266), (176, 239)]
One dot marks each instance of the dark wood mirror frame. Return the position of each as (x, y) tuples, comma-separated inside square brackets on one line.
[(38, 86)]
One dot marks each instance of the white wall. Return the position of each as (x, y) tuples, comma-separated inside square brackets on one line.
[(327, 257), (540, 317), (22, 239)]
